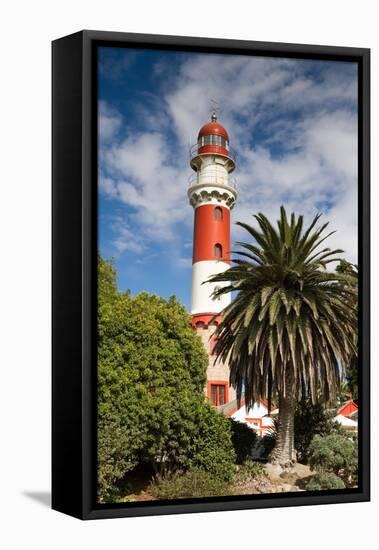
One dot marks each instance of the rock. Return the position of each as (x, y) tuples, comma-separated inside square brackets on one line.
[(273, 470), (287, 488), (301, 470), (289, 477)]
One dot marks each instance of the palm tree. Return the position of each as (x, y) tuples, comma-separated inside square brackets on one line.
[(290, 330)]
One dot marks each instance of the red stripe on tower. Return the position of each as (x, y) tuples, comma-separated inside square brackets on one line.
[(211, 236)]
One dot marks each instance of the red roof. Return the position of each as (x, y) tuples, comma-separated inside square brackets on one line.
[(348, 408)]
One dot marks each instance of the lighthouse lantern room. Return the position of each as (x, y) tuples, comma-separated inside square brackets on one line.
[(212, 193)]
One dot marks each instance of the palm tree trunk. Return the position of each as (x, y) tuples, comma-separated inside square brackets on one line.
[(284, 452)]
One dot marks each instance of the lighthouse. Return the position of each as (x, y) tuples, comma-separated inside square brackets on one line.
[(212, 193)]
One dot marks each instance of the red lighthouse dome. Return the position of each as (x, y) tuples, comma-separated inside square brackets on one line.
[(212, 139), (213, 129)]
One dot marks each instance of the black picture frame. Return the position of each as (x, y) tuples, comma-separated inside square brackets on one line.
[(74, 203)]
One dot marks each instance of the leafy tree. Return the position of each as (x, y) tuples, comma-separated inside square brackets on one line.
[(290, 329), (107, 281), (151, 403)]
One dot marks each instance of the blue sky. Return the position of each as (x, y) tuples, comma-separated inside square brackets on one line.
[(292, 122)]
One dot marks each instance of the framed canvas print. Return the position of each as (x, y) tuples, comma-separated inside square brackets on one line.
[(210, 275)]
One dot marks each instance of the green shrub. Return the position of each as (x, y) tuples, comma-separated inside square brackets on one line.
[(249, 470), (310, 420), (324, 481), (334, 454), (243, 440), (193, 483), (212, 448), (116, 456)]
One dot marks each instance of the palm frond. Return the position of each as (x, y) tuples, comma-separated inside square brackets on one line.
[(289, 313)]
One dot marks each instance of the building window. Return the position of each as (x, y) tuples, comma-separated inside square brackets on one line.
[(217, 250), (200, 324), (217, 213), (218, 394)]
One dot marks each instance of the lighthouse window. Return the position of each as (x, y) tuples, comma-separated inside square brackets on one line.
[(218, 213), (217, 250), (216, 140), (213, 140)]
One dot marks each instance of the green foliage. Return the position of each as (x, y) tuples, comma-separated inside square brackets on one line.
[(212, 448), (324, 481), (249, 470), (116, 454), (352, 378), (194, 483), (310, 420), (107, 281), (336, 454), (352, 374), (243, 439), (346, 267), (151, 376)]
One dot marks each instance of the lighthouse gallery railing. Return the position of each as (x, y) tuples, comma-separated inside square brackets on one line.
[(211, 178), (194, 152)]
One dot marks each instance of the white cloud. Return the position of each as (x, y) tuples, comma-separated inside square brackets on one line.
[(319, 176), (109, 122), (307, 162), (107, 186), (155, 189), (126, 239)]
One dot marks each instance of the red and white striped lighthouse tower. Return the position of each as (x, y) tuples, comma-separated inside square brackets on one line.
[(212, 193)]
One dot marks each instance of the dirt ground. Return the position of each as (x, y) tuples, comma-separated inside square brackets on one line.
[(274, 480)]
